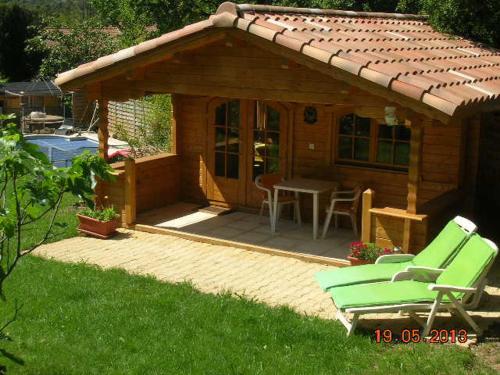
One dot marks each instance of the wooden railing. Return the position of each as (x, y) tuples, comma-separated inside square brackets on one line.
[(390, 227), (141, 185)]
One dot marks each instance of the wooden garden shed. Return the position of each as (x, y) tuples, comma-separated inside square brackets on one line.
[(383, 100)]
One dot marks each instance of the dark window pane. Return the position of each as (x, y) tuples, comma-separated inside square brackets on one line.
[(361, 149), (385, 132), (234, 114), (259, 136), (272, 165), (347, 124), (232, 166), (220, 115), (362, 126), (273, 142), (220, 139), (258, 166), (345, 148), (273, 119), (233, 140), (220, 164), (384, 152), (403, 133), (402, 153)]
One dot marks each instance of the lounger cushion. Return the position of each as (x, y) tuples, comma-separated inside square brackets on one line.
[(468, 265), (382, 294), (368, 273), (442, 248)]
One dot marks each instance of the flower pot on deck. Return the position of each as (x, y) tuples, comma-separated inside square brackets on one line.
[(97, 228), (357, 262)]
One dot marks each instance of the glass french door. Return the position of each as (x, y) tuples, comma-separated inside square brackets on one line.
[(245, 139), (226, 169), (268, 134)]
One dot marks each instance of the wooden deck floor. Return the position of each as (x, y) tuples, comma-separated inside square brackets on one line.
[(249, 231)]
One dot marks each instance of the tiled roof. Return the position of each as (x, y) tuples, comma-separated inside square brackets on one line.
[(402, 53)]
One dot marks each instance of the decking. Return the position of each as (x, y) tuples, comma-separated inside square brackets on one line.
[(247, 231)]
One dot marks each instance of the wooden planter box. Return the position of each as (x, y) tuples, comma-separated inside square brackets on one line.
[(357, 262), (96, 228)]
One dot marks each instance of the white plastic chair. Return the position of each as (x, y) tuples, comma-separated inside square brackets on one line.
[(266, 183), (344, 203)]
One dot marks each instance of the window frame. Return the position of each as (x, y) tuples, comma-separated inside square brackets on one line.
[(373, 146)]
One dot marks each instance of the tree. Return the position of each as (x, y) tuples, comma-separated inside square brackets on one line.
[(31, 192), (474, 19), (16, 28), (67, 47)]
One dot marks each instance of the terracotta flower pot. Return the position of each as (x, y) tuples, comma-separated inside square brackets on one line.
[(357, 262), (96, 228)]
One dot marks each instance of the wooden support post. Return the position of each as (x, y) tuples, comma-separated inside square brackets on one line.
[(366, 219), (103, 132), (130, 192), (406, 236), (415, 165), (176, 131)]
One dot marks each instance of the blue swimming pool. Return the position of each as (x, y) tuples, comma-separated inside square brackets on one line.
[(60, 149)]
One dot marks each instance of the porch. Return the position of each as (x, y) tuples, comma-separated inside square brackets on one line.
[(248, 231)]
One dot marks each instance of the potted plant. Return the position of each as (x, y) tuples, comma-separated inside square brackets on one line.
[(101, 223), (365, 253)]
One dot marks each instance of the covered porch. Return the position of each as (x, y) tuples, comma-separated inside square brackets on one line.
[(303, 112)]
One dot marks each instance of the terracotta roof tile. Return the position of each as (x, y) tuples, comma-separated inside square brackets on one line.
[(400, 52)]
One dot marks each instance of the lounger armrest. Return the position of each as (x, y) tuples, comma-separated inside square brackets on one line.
[(424, 274), (451, 288), (429, 270), (394, 258)]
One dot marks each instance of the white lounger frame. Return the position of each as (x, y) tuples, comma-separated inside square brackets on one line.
[(469, 301)]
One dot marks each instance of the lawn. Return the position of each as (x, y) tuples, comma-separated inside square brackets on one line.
[(78, 319)]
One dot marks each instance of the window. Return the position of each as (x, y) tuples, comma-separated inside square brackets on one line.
[(363, 141), (227, 139), (266, 150)]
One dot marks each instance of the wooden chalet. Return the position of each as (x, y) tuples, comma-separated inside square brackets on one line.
[(381, 100)]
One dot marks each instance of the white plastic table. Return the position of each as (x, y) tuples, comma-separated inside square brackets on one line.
[(303, 185)]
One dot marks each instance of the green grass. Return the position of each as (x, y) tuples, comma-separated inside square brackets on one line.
[(67, 215), (78, 319)]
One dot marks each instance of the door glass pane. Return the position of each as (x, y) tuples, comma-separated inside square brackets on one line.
[(402, 133), (272, 165), (347, 124), (233, 140), (273, 142), (273, 119), (345, 148), (384, 152), (361, 149), (220, 115), (234, 114), (220, 139), (232, 166), (220, 164), (385, 132), (362, 126), (402, 154), (258, 166)]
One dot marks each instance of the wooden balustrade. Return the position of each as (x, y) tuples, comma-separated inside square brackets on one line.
[(140, 185)]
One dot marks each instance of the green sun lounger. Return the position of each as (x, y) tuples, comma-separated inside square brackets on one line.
[(436, 255), (458, 287)]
